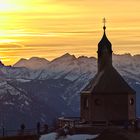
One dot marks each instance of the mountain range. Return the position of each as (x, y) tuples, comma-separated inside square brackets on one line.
[(36, 89)]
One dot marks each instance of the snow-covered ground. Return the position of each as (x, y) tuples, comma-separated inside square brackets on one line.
[(52, 136)]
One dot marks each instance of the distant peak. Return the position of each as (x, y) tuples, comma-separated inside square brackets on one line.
[(22, 59), (1, 64), (32, 63), (37, 58), (67, 55), (85, 57), (125, 55)]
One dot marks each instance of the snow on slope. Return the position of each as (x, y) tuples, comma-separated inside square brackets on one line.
[(52, 136), (70, 67), (61, 80), (128, 65), (33, 63), (80, 71), (67, 66), (19, 73)]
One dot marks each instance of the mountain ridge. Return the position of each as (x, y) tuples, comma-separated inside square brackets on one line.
[(54, 90)]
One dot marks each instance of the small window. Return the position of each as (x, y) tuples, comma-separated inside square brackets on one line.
[(86, 103), (97, 102), (131, 101)]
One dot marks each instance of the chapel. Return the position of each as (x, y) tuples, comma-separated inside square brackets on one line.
[(107, 97)]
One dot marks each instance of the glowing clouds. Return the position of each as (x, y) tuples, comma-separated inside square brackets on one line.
[(50, 28)]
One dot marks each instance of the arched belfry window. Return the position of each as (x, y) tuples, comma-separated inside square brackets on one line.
[(86, 103)]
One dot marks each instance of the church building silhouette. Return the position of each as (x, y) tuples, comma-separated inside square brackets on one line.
[(107, 97)]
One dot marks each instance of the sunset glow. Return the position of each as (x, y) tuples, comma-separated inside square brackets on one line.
[(50, 28)]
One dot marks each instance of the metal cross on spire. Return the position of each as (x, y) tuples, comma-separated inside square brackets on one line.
[(104, 22)]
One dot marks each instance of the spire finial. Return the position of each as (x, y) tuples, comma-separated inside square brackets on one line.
[(104, 22)]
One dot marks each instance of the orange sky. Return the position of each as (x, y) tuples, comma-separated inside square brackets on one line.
[(50, 28)]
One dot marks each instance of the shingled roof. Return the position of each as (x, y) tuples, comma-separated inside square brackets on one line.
[(108, 81)]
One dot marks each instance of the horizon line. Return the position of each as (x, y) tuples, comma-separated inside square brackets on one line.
[(69, 55)]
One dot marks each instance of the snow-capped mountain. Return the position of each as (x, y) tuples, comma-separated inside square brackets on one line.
[(33, 63), (72, 67), (46, 90)]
